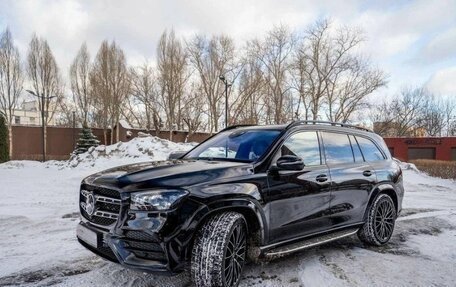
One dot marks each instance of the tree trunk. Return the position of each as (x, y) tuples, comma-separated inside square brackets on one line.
[(105, 136), (10, 140), (45, 142), (170, 131), (117, 132)]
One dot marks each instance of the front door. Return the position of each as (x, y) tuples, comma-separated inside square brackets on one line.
[(299, 200)]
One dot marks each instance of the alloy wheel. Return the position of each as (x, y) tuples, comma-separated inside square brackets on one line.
[(384, 220), (235, 256)]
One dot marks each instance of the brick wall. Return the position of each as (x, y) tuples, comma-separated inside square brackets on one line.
[(443, 146)]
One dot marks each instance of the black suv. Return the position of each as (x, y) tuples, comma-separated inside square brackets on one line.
[(246, 193)]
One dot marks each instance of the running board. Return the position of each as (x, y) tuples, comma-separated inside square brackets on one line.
[(308, 243)]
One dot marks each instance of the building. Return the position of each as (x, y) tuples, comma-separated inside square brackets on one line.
[(438, 148), (390, 129), (29, 114)]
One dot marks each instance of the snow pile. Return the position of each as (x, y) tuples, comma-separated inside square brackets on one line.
[(143, 148), (406, 165)]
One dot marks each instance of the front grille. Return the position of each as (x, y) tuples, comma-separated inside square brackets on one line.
[(139, 235), (100, 205), (158, 256), (144, 246), (101, 220)]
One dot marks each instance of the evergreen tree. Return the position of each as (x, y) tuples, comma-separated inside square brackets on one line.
[(4, 150), (86, 140)]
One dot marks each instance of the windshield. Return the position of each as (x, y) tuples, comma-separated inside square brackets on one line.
[(240, 145)]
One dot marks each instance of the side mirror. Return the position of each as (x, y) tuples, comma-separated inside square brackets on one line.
[(290, 162), (176, 155)]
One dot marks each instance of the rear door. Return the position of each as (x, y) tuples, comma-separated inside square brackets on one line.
[(299, 200), (351, 178)]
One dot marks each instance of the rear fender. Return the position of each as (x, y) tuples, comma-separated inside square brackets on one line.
[(384, 187)]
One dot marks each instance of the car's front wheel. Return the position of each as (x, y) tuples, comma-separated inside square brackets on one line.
[(219, 251), (379, 225)]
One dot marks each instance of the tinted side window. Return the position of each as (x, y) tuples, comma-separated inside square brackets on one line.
[(337, 148), (369, 149), (356, 151), (304, 145)]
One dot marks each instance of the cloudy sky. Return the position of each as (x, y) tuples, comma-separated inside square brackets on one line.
[(413, 41)]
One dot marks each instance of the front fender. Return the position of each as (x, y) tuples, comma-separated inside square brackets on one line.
[(244, 198)]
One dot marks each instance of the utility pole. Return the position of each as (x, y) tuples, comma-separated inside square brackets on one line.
[(224, 80)]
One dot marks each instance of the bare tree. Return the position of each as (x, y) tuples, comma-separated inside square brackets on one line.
[(410, 113), (329, 77), (66, 108), (11, 80), (348, 92), (248, 106), (110, 82), (45, 80), (449, 112), (80, 83), (99, 79), (212, 59), (301, 82), (193, 109), (172, 77), (433, 116), (145, 92), (274, 54), (120, 85)]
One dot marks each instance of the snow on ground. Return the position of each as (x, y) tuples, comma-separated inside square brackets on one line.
[(39, 214)]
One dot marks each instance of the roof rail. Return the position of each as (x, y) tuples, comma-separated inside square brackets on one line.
[(308, 122), (235, 126)]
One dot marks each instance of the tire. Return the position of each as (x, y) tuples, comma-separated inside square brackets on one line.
[(221, 236), (379, 225)]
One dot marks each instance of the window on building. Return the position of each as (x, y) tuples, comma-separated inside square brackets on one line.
[(453, 153), (369, 149), (32, 120), (17, 120), (304, 145), (337, 148), (421, 153)]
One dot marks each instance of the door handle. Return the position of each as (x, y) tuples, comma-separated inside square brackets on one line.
[(367, 173), (322, 178)]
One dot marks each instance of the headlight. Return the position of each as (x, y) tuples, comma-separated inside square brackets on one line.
[(156, 199)]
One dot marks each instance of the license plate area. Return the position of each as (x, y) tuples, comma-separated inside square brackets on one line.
[(88, 236)]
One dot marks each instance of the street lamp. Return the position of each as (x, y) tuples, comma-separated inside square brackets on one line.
[(42, 98), (224, 80)]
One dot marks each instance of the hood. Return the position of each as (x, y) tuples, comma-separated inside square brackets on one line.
[(168, 174)]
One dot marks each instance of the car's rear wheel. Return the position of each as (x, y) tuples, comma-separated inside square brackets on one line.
[(219, 251), (381, 218)]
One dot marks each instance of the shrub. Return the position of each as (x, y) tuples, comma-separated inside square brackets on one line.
[(437, 168), (4, 150)]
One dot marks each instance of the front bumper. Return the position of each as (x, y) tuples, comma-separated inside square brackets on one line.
[(151, 241), (148, 256)]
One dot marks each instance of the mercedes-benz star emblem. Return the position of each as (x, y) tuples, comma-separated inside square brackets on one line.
[(90, 204)]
